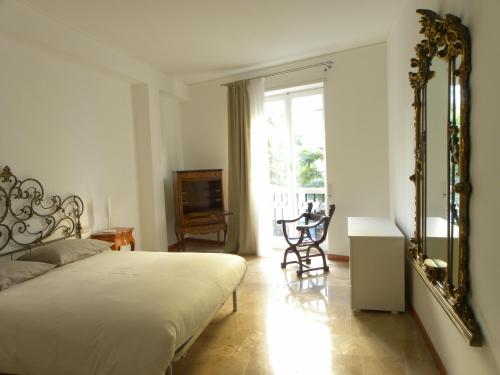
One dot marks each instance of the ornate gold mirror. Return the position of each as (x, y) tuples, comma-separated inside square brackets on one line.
[(439, 250)]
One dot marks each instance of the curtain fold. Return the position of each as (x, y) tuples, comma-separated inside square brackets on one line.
[(260, 198), (247, 171), (242, 231)]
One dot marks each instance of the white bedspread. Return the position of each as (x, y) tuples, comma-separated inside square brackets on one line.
[(113, 313)]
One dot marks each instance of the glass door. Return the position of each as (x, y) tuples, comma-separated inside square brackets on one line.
[(296, 152)]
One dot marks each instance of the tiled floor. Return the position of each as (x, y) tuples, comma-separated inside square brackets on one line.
[(287, 326)]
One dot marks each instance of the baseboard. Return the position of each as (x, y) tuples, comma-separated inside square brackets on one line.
[(428, 342), (200, 241), (337, 258)]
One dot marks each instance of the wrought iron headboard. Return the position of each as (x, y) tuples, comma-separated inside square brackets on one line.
[(27, 217)]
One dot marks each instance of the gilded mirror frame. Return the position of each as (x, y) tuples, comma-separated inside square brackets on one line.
[(447, 39)]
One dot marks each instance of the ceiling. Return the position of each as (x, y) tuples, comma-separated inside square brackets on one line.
[(197, 40)]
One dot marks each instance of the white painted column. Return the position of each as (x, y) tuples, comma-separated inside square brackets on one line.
[(148, 146)]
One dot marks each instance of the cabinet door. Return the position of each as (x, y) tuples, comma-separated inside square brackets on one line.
[(199, 197), (377, 273)]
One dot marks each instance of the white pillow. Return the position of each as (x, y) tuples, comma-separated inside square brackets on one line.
[(15, 272), (66, 251)]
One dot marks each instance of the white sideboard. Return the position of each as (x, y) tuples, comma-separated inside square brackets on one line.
[(376, 264)]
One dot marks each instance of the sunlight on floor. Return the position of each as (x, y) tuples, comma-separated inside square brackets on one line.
[(296, 329), (290, 326)]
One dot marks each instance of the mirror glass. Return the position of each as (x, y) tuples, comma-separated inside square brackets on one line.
[(435, 231), (454, 197)]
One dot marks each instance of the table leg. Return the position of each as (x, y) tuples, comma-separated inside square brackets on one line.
[(183, 245), (132, 241), (178, 247)]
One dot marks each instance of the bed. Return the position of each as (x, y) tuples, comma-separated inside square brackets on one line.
[(109, 313)]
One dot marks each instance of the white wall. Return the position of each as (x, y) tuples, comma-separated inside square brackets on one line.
[(356, 136), (356, 131), (151, 154), (71, 128), (84, 119), (481, 18), (172, 157)]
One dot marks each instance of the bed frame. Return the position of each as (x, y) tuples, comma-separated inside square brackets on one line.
[(28, 219), (183, 349)]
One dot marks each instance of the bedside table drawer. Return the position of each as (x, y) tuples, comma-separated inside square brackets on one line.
[(119, 236)]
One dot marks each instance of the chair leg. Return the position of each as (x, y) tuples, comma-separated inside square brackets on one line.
[(308, 260), (287, 251), (305, 259), (325, 266), (301, 270)]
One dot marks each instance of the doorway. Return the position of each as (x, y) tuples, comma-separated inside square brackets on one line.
[(295, 125)]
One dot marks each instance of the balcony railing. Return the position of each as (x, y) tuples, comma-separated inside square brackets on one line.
[(289, 206)]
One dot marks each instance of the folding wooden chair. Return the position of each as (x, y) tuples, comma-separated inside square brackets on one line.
[(308, 226)]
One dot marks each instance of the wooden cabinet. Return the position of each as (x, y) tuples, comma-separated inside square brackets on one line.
[(199, 203), (119, 236), (376, 264)]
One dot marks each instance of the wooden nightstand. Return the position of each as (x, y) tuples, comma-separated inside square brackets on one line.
[(119, 236)]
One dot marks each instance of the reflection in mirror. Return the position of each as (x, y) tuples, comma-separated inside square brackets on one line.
[(454, 173), (435, 205)]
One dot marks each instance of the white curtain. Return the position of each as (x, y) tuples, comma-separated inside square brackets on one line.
[(260, 197)]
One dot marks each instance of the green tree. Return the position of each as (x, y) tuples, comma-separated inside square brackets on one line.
[(277, 164), (309, 175)]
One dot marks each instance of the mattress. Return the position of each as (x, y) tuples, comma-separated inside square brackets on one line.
[(113, 313)]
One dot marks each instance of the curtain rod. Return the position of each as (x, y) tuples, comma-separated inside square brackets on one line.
[(326, 64)]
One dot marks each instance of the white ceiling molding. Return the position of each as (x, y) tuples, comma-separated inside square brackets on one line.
[(203, 40), (20, 21)]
